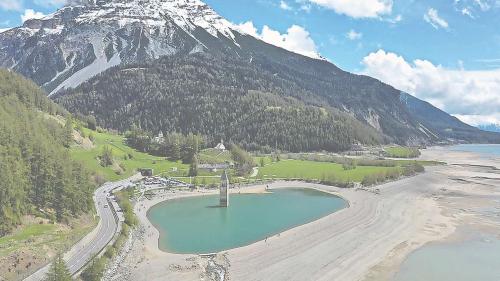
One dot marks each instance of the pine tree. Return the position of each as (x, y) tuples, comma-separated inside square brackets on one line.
[(193, 168), (68, 134), (106, 156), (58, 270), (36, 172), (175, 152), (94, 271)]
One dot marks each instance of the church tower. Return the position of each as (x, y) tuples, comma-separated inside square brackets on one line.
[(224, 190)]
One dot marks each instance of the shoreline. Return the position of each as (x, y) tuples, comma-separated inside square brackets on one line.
[(366, 241), (253, 189)]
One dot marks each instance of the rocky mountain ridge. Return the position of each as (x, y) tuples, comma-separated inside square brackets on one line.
[(87, 37), (72, 51)]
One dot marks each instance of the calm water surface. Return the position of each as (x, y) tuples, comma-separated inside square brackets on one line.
[(477, 259), (485, 149), (198, 225)]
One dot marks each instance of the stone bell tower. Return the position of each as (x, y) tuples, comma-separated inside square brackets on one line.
[(224, 190)]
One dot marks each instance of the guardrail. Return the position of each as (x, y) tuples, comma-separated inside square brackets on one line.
[(111, 241)]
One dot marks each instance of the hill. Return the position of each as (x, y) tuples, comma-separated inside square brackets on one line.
[(444, 127), (220, 98), (36, 173), (72, 47)]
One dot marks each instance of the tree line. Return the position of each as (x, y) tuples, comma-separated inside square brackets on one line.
[(175, 146), (37, 175), (218, 98)]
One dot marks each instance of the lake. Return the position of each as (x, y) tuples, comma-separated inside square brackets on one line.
[(199, 225), (475, 259), (485, 149)]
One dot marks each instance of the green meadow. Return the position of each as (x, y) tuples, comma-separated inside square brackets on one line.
[(402, 152), (311, 170), (127, 160)]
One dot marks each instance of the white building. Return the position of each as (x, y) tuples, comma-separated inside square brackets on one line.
[(160, 138), (221, 146)]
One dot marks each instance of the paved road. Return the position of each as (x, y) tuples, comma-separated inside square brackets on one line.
[(98, 239)]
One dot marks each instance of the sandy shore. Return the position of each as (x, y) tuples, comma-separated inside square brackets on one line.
[(366, 241)]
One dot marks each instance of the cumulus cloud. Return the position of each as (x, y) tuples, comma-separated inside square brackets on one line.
[(476, 120), (353, 35), (432, 17), (11, 5), (306, 8), (466, 12), (285, 6), (31, 14), (469, 95), (296, 39), (358, 8)]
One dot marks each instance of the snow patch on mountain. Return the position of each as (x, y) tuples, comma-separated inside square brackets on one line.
[(86, 37), (187, 14), (99, 65)]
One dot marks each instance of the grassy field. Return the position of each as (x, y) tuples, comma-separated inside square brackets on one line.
[(421, 162), (214, 156), (35, 243), (402, 152), (310, 170), (266, 160), (128, 160)]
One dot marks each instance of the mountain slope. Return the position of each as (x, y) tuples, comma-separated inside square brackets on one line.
[(88, 37), (36, 175), (84, 39), (445, 126), (220, 98)]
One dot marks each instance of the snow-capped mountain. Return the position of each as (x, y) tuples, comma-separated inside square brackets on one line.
[(490, 127), (83, 40), (87, 37)]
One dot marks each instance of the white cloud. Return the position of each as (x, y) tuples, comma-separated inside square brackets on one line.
[(358, 8), (476, 120), (483, 5), (248, 28), (11, 5), (306, 8), (469, 95), (296, 39), (432, 17), (394, 20), (353, 35), (31, 14), (304, 5), (285, 6), (466, 12), (4, 29)]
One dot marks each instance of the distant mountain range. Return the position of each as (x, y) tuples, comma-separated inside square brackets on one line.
[(490, 128), (178, 66)]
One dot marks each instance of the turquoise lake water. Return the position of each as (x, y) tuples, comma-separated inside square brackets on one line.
[(485, 149), (198, 225), (473, 260)]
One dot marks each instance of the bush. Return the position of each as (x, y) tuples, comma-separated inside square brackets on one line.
[(94, 271), (110, 252)]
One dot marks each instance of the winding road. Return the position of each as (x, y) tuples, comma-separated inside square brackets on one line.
[(92, 244)]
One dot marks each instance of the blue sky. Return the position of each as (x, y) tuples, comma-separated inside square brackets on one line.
[(444, 51), (471, 41)]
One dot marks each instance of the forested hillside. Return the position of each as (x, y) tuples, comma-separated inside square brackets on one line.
[(36, 174), (218, 98), (180, 67)]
